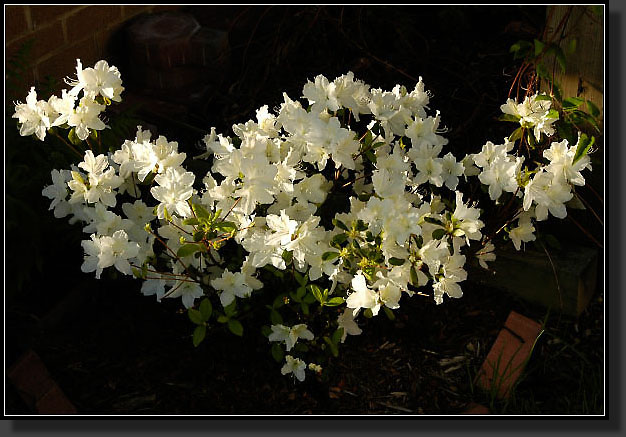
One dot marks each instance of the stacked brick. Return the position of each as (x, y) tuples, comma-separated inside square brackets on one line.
[(175, 58), (60, 34)]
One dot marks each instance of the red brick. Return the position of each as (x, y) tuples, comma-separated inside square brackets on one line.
[(63, 63), (17, 90), (508, 355), (43, 15), (15, 23), (104, 38), (161, 8), (30, 377), (90, 20), (209, 47), (46, 40), (129, 11), (55, 402)]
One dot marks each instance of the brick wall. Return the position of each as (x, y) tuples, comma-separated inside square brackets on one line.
[(60, 34)]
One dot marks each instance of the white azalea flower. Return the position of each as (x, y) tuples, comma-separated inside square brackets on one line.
[(102, 80), (346, 321), (174, 190), (86, 117), (231, 285), (104, 251), (362, 297), (295, 366), (523, 232), (34, 116), (290, 336)]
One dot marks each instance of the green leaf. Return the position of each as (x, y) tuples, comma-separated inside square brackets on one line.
[(235, 327), (301, 347), (276, 318), (509, 117), (581, 116), (317, 293), (277, 352), (302, 279), (266, 330), (187, 249), (191, 221), (198, 236), (167, 215), (539, 46), (396, 261), (198, 335), (336, 337), (327, 256), (370, 155), (553, 113), (222, 318), (301, 291), (340, 224), (339, 238), (200, 212), (294, 297), (584, 144), (520, 49), (414, 280), (543, 97), (231, 309), (195, 316), (74, 138), (389, 313), (433, 221), (309, 298), (206, 309), (274, 271), (227, 227), (566, 130), (572, 103), (335, 301), (558, 53), (542, 71), (368, 313), (305, 308), (438, 234), (287, 256), (593, 109), (367, 140), (279, 300), (333, 347), (360, 226), (571, 47), (364, 197), (516, 135)]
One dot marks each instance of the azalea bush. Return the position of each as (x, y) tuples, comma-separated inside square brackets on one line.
[(324, 211)]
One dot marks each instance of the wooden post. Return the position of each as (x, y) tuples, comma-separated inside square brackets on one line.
[(584, 74)]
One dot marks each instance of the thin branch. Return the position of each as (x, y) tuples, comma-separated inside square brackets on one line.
[(585, 231)]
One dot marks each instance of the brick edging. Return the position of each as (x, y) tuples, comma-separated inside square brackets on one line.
[(33, 382)]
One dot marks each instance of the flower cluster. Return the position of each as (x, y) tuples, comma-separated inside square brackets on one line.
[(349, 201), (534, 113), (100, 85)]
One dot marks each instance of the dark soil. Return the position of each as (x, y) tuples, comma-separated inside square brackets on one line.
[(114, 351), (122, 353)]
